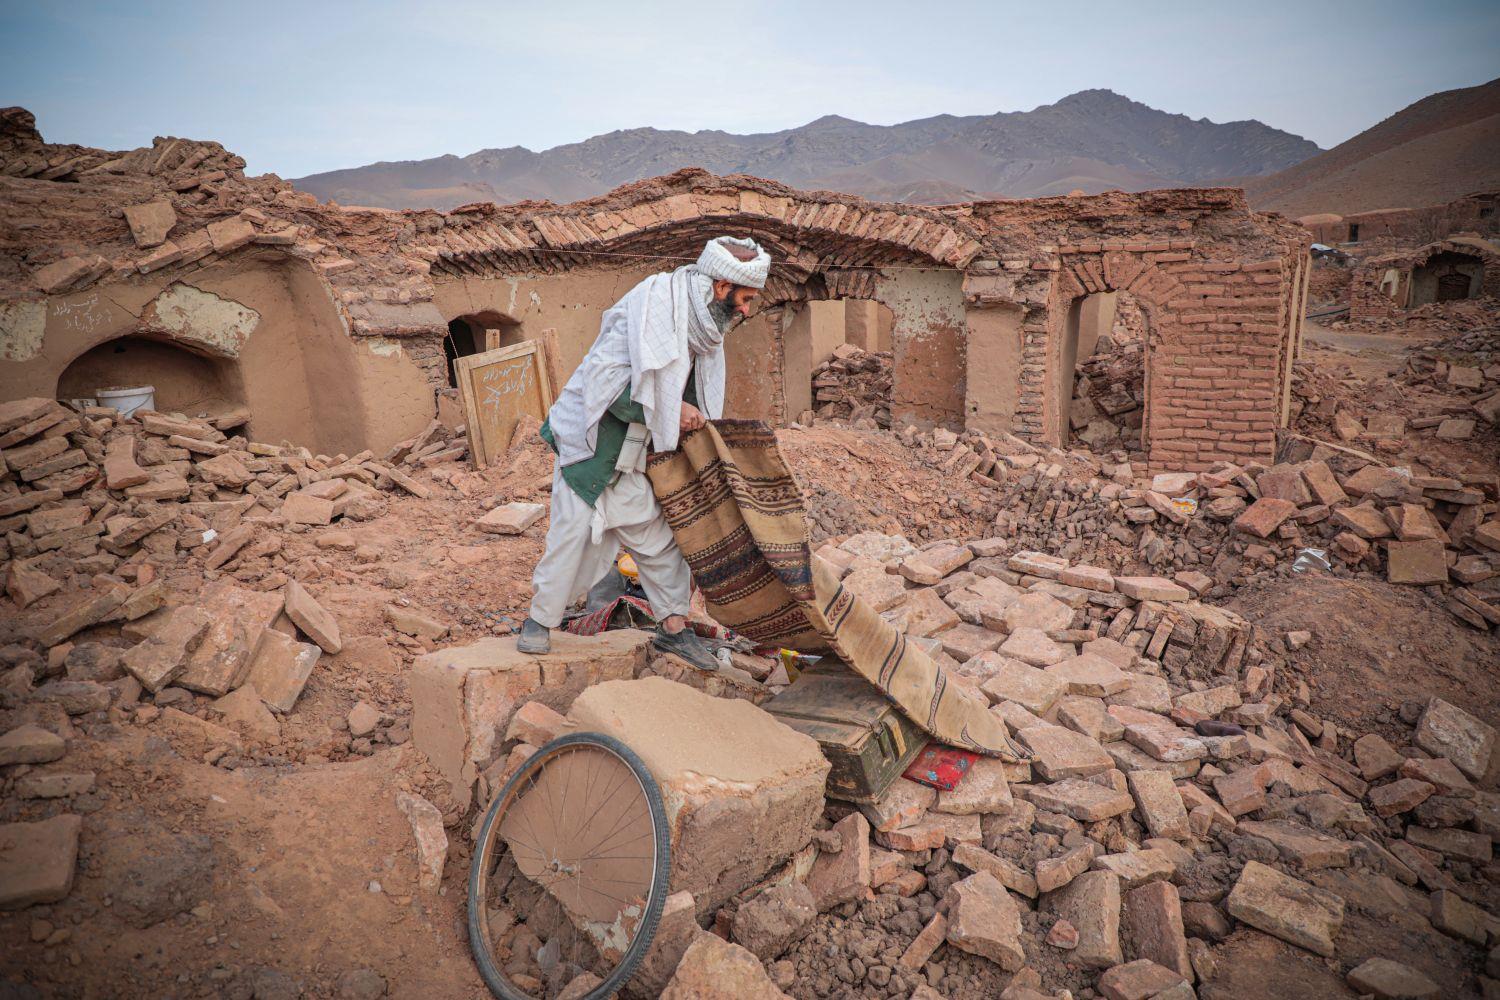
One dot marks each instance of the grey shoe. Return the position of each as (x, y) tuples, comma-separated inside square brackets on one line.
[(687, 645), (534, 638)]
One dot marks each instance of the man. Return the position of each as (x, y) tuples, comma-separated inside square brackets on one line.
[(656, 372)]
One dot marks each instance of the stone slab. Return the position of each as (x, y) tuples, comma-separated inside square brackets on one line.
[(714, 969), (984, 920), (240, 618), (511, 519), (877, 588), (279, 668), (1159, 803), (1091, 903), (741, 789), (984, 789), (1089, 675), (1153, 928), (463, 697), (1418, 563), (157, 660), (1287, 908), (842, 876), (1032, 647), (1151, 588), (31, 744), (1036, 690), (905, 802), (1390, 980), (1084, 800), (1445, 730), (309, 616), (1061, 753), (38, 861)]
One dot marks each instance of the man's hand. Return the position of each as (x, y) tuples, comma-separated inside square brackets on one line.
[(690, 420)]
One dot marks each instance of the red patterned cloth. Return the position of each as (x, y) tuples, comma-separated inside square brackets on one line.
[(629, 611), (939, 766), (597, 621)]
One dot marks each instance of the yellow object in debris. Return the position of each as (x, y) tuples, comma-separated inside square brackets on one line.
[(626, 565), (792, 661)]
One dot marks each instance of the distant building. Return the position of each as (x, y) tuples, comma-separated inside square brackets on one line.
[(1473, 213), (1464, 267)]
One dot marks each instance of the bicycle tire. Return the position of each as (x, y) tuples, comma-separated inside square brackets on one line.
[(493, 977)]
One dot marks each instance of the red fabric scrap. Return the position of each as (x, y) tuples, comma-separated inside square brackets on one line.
[(940, 766)]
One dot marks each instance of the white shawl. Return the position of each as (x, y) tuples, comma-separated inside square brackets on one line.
[(650, 340), (643, 343)]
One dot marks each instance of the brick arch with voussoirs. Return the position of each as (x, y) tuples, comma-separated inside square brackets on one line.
[(1079, 276), (1209, 321)]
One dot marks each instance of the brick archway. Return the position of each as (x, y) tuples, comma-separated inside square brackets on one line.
[(670, 218), (1214, 325)]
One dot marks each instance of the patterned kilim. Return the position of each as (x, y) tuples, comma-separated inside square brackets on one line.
[(736, 512), (624, 611)]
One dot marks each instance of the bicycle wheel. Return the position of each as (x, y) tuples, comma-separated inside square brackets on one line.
[(570, 872)]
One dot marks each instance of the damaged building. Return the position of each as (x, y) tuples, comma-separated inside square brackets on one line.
[(240, 298), (1451, 270), (1473, 213)]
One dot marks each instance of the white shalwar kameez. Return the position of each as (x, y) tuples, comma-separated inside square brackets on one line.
[(650, 341)]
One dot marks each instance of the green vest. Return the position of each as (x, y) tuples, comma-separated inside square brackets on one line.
[(589, 477)]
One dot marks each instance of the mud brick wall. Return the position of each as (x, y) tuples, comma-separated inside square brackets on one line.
[(1217, 346), (1214, 369)]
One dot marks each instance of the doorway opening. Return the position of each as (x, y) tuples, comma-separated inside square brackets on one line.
[(1102, 373), (1446, 277), (838, 360), (476, 333)]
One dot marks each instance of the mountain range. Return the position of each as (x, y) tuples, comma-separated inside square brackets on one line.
[(1092, 141)]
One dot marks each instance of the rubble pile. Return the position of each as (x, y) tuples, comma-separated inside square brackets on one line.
[(1455, 317), (1475, 382), (854, 385), (98, 509), (1431, 531), (1179, 787), (1320, 392), (1233, 525), (1108, 396), (124, 492), (854, 480)]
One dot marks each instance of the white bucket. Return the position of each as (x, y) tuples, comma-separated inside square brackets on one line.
[(128, 399)]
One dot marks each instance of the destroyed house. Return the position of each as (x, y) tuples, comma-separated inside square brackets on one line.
[(339, 326)]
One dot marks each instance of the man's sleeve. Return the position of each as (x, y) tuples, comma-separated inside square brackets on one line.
[(627, 410)]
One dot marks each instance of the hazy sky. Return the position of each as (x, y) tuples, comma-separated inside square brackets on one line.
[(309, 86)]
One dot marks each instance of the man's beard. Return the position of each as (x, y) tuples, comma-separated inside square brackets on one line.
[(724, 314)]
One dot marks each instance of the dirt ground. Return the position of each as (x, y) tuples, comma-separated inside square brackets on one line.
[(295, 878), (1375, 647)]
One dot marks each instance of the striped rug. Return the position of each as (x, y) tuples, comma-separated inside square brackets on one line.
[(736, 512)]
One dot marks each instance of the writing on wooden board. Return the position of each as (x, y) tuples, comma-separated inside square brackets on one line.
[(498, 388)]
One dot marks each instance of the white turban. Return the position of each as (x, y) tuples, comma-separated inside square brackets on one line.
[(718, 263)]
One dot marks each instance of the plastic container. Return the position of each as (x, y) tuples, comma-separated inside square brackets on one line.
[(127, 399)]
